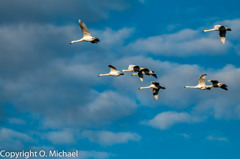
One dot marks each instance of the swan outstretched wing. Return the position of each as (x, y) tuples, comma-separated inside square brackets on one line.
[(136, 68), (156, 84), (222, 35), (202, 78), (218, 84), (224, 86), (217, 27), (155, 93), (140, 75), (144, 69), (214, 82), (154, 75), (84, 28), (112, 68)]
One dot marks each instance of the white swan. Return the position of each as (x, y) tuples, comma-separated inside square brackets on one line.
[(113, 72), (86, 34), (132, 68), (144, 71), (215, 83), (201, 83), (222, 32), (155, 89)]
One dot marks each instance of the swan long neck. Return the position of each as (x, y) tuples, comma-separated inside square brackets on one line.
[(145, 87), (125, 71), (209, 30), (190, 87), (74, 41), (107, 74)]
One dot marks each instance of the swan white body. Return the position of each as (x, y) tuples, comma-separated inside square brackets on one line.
[(155, 89), (132, 68), (201, 83), (113, 72), (222, 32), (217, 84), (86, 34), (144, 71)]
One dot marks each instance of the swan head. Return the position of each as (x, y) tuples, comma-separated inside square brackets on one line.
[(151, 72)]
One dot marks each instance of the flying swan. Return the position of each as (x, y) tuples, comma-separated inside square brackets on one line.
[(113, 72), (144, 71), (86, 34), (222, 32), (155, 89), (132, 68), (201, 83)]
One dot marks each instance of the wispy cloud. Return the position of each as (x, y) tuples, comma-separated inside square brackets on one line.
[(61, 137), (110, 138), (13, 140), (212, 138), (73, 73), (174, 76), (167, 119), (189, 42), (185, 135), (94, 155), (104, 109), (16, 121), (186, 42), (46, 11)]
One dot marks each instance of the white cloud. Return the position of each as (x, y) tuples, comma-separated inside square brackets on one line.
[(61, 76), (109, 138), (113, 39), (167, 119), (54, 75), (183, 43), (61, 137), (16, 121), (174, 76), (94, 155), (235, 26), (189, 42), (11, 139), (222, 104), (48, 11), (185, 135), (105, 108), (212, 138)]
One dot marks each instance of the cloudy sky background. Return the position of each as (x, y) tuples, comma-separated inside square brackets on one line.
[(52, 98)]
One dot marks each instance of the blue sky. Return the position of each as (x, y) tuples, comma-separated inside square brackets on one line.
[(52, 98)]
